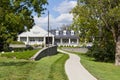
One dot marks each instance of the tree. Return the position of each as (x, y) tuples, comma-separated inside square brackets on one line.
[(83, 22), (16, 16), (65, 27), (104, 16)]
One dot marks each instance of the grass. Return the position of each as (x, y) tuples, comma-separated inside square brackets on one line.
[(14, 69), (48, 68), (101, 70), (20, 55), (57, 69)]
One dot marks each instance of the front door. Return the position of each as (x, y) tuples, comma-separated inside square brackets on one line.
[(48, 40)]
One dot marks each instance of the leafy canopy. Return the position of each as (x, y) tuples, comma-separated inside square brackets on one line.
[(99, 19), (16, 16)]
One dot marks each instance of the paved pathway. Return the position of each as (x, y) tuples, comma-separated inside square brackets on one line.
[(74, 69)]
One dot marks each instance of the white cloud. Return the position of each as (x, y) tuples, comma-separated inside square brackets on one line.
[(63, 18), (65, 6), (54, 22)]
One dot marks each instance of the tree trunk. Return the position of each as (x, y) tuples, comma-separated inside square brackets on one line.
[(117, 55)]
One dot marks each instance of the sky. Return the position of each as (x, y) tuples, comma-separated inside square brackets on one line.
[(58, 14)]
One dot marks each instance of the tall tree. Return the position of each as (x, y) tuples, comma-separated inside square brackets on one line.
[(103, 15), (16, 16), (85, 23)]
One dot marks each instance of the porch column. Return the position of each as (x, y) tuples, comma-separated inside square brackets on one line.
[(53, 40), (77, 41), (44, 41), (18, 38), (69, 41), (27, 42)]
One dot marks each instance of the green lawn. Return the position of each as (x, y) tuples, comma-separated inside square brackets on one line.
[(48, 68), (20, 55), (57, 70), (101, 70)]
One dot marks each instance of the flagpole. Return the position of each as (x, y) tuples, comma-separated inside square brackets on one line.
[(48, 35)]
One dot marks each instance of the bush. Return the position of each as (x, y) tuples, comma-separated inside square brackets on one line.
[(19, 49), (28, 47), (22, 49), (6, 47), (102, 52)]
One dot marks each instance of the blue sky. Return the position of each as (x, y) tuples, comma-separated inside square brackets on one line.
[(59, 14)]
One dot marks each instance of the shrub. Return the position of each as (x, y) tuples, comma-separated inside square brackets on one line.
[(102, 52), (19, 49), (28, 47), (6, 47)]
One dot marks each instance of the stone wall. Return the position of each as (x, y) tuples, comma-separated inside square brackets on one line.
[(47, 51)]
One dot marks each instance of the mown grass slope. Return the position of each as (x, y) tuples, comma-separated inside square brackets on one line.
[(48, 68), (20, 55)]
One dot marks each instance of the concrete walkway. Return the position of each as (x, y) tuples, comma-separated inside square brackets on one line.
[(74, 69)]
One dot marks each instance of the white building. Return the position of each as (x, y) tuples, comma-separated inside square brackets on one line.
[(39, 36), (65, 37), (36, 35)]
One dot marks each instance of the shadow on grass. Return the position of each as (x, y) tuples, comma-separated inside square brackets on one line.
[(12, 63)]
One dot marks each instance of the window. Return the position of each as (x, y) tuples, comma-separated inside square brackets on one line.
[(57, 32), (23, 39), (40, 39), (57, 40), (65, 41), (72, 32), (73, 41), (64, 32), (32, 39)]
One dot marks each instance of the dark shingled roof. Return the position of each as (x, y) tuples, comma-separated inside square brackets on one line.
[(61, 35)]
